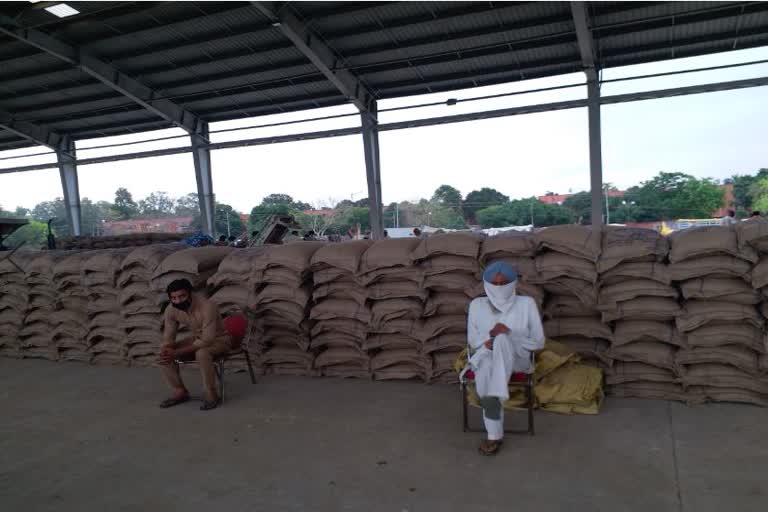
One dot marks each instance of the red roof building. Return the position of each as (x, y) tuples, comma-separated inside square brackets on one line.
[(552, 198), (164, 225)]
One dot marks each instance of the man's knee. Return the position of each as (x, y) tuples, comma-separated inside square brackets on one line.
[(203, 355), (491, 407)]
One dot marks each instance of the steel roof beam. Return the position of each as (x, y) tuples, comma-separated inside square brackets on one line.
[(584, 39), (109, 76), (39, 134), (319, 53)]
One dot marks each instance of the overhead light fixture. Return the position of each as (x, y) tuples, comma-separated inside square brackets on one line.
[(62, 10)]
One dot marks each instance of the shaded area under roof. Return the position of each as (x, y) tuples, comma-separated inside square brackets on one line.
[(227, 60)]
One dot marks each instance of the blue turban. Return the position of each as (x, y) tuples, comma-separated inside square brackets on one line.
[(500, 268)]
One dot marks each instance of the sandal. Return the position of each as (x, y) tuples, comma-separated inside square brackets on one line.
[(170, 402), (489, 448), (212, 404)]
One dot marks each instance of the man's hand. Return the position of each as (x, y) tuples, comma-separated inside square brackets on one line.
[(499, 329), (488, 344), (165, 357)]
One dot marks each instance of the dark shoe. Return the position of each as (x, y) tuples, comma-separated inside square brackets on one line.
[(208, 405), (170, 402)]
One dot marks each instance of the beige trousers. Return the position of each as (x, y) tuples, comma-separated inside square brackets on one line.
[(204, 357)]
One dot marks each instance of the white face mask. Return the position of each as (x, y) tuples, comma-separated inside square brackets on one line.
[(501, 296)]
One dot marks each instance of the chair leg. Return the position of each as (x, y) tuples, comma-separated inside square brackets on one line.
[(464, 415), (529, 396), (250, 366), (220, 368)]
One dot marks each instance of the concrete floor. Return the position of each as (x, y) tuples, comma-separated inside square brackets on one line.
[(84, 438)]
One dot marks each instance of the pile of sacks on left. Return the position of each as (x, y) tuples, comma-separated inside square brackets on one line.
[(13, 302)]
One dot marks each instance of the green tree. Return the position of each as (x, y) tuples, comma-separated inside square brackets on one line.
[(518, 213), (125, 207), (187, 205), (675, 195), (742, 188), (224, 215), (33, 236), (56, 210), (479, 199), (448, 197), (275, 204), (157, 204)]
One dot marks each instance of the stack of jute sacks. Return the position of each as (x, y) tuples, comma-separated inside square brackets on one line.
[(13, 302), (393, 286), (141, 307), (754, 234), (118, 241), (722, 328), (36, 334), (565, 267), (516, 248), (71, 316), (282, 287), (449, 263), (340, 314), (106, 338), (638, 301)]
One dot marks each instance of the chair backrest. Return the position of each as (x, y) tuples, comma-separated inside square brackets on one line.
[(237, 326)]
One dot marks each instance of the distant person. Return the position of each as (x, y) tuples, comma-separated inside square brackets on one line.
[(386, 235), (231, 241), (222, 241), (729, 219), (207, 339), (417, 232), (754, 214)]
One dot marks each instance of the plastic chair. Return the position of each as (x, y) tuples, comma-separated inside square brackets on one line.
[(518, 379), (240, 328)]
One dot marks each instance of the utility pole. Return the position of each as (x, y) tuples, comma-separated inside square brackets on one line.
[(228, 233), (607, 214), (397, 215), (532, 224)]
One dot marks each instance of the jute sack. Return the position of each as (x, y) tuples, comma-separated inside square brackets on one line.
[(330, 339), (296, 257), (753, 234), (390, 341), (387, 253), (711, 266), (577, 326), (440, 325), (594, 349), (401, 355), (347, 371), (331, 309), (622, 372), (648, 352), (340, 290), (383, 311), (391, 275), (442, 367), (716, 334), (697, 313), (457, 341), (644, 308), (401, 326), (582, 241), (525, 289), (192, 261), (449, 263), (723, 289), (566, 305), (760, 274), (454, 244), (332, 275), (401, 371), (447, 303), (628, 331), (632, 289), (285, 354), (452, 282), (143, 261), (160, 282), (654, 271), (277, 275), (734, 355), (718, 394), (510, 244), (551, 265), (401, 290), (707, 241), (585, 291), (338, 355), (232, 298), (237, 266), (723, 376), (341, 325), (652, 390), (621, 244), (299, 296), (278, 311), (344, 256)]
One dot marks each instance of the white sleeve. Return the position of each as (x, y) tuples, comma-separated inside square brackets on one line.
[(475, 337), (535, 340)]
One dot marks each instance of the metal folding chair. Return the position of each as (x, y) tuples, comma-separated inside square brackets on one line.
[(220, 361), (519, 379)]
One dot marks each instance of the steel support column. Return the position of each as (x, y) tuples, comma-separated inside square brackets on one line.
[(595, 149), (202, 157), (373, 170), (65, 154)]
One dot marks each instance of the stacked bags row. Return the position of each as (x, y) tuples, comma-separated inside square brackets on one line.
[(70, 318), (340, 314), (118, 241), (13, 304), (36, 334), (282, 286)]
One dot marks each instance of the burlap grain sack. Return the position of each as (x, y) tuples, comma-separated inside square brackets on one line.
[(622, 372), (333, 276), (296, 257), (237, 266), (439, 325), (707, 241), (711, 266), (452, 282), (760, 274), (344, 256), (275, 311), (585, 291), (401, 371), (383, 311), (452, 341), (286, 354), (401, 290), (652, 390), (442, 368), (278, 275), (353, 328), (658, 272), (510, 244), (581, 241), (198, 281), (335, 339), (193, 261), (340, 290), (552, 265), (723, 376), (450, 263), (731, 290), (331, 309), (111, 319), (644, 308), (527, 290), (628, 331), (298, 296), (589, 327), (69, 266), (232, 298), (738, 395), (149, 257), (566, 305), (740, 357), (387, 253), (453, 244), (151, 337), (391, 357), (389, 341), (622, 244), (347, 371), (39, 267), (630, 289), (697, 313), (104, 266), (753, 234), (648, 352), (9, 316), (447, 303), (16, 298), (334, 356)]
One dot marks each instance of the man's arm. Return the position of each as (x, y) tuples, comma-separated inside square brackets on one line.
[(475, 337), (170, 327), (536, 338), (209, 322)]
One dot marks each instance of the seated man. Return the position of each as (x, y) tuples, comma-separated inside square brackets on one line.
[(503, 329), (207, 340)]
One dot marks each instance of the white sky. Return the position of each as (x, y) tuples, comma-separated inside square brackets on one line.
[(708, 135)]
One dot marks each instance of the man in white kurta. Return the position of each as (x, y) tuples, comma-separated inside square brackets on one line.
[(503, 329)]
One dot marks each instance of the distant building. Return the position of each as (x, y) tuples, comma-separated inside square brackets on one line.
[(323, 212), (727, 201), (164, 225), (552, 198)]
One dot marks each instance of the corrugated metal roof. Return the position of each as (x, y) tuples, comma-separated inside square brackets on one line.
[(226, 60)]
